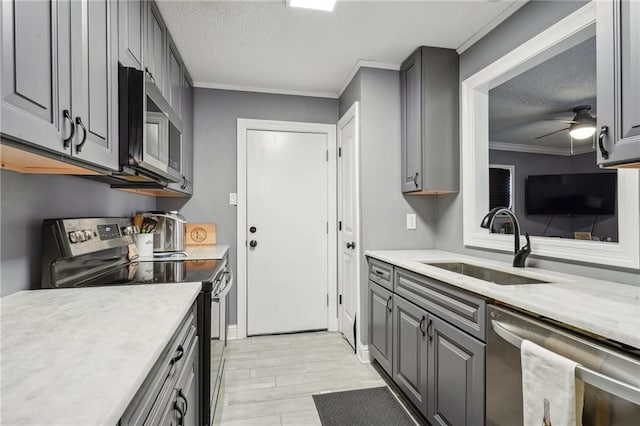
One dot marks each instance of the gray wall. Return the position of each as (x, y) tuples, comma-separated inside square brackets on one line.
[(383, 207), (215, 117), (26, 200), (530, 20), (542, 164)]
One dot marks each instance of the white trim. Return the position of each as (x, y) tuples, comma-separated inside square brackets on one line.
[(240, 88), (539, 149), (232, 332), (510, 10), (474, 125), (365, 64), (243, 125), (363, 353), (353, 113)]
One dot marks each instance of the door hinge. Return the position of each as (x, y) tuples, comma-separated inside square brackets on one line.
[(340, 299), (327, 155), (339, 225), (327, 299), (340, 152), (327, 227)]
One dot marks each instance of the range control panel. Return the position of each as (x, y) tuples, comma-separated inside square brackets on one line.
[(88, 235)]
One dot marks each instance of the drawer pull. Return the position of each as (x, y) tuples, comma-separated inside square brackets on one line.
[(378, 272), (421, 324), (184, 398), (429, 330), (180, 412), (178, 357)]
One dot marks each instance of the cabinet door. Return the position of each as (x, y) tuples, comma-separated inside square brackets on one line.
[(380, 325), (456, 376), (35, 72), (411, 126), (155, 43), (131, 15), (187, 133), (187, 389), (410, 351), (174, 80), (95, 81), (618, 63)]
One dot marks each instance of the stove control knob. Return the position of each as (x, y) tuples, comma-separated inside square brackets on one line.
[(88, 234), (73, 237), (81, 236)]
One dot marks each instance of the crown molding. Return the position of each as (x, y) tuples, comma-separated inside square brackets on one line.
[(239, 88), (537, 149), (365, 64)]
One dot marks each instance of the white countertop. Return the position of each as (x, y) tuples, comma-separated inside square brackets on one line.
[(201, 252), (605, 308), (78, 356)]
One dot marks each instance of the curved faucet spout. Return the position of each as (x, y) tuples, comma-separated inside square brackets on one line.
[(520, 255)]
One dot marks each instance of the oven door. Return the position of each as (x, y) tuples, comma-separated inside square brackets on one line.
[(611, 395)]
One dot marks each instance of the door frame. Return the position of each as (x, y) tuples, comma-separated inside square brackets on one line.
[(244, 125), (353, 113)]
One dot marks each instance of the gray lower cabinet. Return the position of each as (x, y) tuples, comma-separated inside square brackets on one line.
[(456, 376), (429, 81), (131, 16), (618, 71), (381, 325), (410, 351), (59, 77), (36, 89)]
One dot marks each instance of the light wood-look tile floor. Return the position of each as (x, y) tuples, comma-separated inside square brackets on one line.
[(270, 380)]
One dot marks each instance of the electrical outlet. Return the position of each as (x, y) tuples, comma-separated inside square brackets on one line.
[(233, 199), (411, 221)]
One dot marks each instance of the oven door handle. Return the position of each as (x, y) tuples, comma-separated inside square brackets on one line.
[(609, 384), (224, 290)]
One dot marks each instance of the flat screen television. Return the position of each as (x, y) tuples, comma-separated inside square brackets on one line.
[(572, 194)]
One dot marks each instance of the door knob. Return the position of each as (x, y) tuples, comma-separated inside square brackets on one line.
[(351, 245), (253, 243)]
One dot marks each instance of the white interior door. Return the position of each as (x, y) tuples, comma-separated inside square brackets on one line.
[(287, 231), (348, 214)]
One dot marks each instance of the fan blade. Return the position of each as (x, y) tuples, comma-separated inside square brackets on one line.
[(552, 133), (559, 120)]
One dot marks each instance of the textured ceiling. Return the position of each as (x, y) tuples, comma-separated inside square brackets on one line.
[(267, 45), (518, 108)]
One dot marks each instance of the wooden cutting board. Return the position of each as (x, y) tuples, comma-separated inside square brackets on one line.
[(200, 234)]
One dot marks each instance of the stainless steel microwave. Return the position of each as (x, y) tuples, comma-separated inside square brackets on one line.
[(150, 131)]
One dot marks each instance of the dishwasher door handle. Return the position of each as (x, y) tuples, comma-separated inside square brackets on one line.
[(613, 386)]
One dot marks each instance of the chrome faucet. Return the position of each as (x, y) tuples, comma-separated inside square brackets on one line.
[(520, 254)]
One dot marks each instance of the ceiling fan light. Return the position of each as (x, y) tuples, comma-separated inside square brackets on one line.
[(325, 5), (582, 131)]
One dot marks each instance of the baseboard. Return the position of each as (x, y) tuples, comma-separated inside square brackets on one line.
[(232, 332), (363, 353)]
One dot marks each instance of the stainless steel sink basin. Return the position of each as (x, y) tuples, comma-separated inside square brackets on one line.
[(485, 274)]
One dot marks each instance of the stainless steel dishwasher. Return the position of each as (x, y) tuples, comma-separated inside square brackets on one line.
[(611, 374)]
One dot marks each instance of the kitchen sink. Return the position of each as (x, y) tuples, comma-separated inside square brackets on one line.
[(485, 274)]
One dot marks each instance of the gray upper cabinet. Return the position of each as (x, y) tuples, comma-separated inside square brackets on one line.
[(131, 15), (618, 71), (456, 376), (381, 325), (174, 78), (94, 80), (58, 90), (36, 73), (155, 46), (429, 81), (186, 97), (410, 351)]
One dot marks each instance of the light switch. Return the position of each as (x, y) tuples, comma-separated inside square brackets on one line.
[(411, 221), (233, 199)]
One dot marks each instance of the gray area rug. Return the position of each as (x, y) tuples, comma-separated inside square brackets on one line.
[(374, 406)]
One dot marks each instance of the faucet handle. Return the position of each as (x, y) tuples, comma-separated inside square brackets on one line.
[(522, 254)]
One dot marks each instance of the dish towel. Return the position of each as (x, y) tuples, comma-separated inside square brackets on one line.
[(550, 392)]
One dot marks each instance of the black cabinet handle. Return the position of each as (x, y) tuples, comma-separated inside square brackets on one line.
[(184, 398), (421, 324), (429, 329), (351, 245), (178, 357), (637, 126), (146, 69), (389, 306), (415, 180), (180, 412), (67, 116), (378, 272), (603, 151), (84, 134)]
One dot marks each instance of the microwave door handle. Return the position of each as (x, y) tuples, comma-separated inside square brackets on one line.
[(609, 384)]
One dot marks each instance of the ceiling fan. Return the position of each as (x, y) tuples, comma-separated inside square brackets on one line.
[(582, 126)]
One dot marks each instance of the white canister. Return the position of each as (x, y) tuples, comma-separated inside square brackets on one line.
[(145, 244)]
